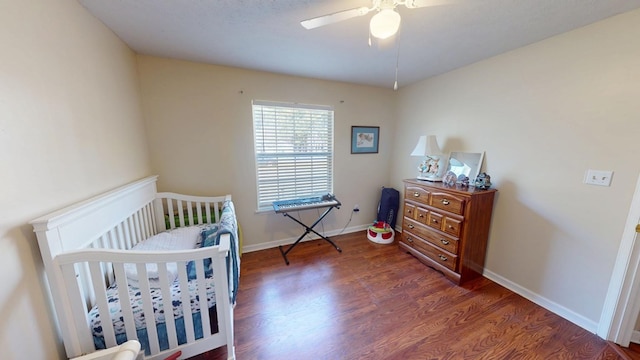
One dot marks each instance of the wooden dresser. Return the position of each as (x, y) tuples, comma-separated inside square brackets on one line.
[(447, 227)]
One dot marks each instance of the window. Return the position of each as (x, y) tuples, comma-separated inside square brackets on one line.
[(294, 151)]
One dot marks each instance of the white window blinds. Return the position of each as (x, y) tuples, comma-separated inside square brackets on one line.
[(294, 151)]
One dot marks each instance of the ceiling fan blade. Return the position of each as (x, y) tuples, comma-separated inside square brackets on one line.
[(413, 4), (334, 18)]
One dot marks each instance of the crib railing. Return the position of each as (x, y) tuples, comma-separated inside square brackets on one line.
[(168, 211), (176, 210), (97, 259)]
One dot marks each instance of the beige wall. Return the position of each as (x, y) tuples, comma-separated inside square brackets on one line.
[(200, 131), (70, 127), (544, 114)]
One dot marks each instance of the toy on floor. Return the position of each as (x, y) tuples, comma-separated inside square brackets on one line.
[(380, 232)]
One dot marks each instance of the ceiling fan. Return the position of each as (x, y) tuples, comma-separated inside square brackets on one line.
[(384, 24)]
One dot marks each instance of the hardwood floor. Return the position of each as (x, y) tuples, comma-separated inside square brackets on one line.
[(630, 353), (376, 302)]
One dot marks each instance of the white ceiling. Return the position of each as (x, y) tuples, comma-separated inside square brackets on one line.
[(266, 34)]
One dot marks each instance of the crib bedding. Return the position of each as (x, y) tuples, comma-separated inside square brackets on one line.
[(161, 329), (115, 311), (176, 239)]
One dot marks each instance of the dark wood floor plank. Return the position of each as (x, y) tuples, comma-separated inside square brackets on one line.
[(374, 301)]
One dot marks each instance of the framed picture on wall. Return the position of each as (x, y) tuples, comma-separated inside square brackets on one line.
[(365, 139)]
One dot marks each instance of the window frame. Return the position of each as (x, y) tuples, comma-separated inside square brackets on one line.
[(317, 166)]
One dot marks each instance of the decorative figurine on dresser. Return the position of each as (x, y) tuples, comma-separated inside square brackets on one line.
[(447, 228)]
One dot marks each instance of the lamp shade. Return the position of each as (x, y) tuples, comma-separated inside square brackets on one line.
[(427, 145), (433, 165), (384, 24)]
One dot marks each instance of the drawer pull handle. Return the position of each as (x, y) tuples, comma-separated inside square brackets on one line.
[(409, 212), (444, 241), (416, 194), (442, 257), (445, 202), (410, 226), (421, 215), (410, 240), (450, 227), (434, 221)]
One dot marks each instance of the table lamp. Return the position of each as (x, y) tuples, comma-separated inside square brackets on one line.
[(433, 165)]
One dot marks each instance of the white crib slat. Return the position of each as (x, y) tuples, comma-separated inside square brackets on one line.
[(102, 303), (216, 211), (132, 230), (170, 212), (158, 210), (76, 299), (203, 303), (199, 213), (186, 302), (122, 234), (125, 302), (221, 273), (126, 231), (140, 218), (180, 212), (149, 220), (107, 267), (167, 305), (86, 286), (135, 233), (112, 239), (208, 210), (117, 236), (190, 214), (100, 243), (153, 220), (137, 225), (143, 222), (147, 304)]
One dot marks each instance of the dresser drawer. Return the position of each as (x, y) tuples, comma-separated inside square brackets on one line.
[(422, 215), (447, 202), (435, 220), (436, 238), (409, 211), (418, 194), (436, 254), (452, 226)]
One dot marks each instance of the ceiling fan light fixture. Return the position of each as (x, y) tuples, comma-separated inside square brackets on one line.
[(384, 24)]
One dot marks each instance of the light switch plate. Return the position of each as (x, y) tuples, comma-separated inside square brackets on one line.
[(598, 177)]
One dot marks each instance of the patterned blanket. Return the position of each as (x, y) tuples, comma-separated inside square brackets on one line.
[(115, 309)]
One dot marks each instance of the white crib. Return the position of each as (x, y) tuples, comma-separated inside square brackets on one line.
[(86, 249)]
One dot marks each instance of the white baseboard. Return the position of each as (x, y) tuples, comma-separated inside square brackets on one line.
[(311, 236), (635, 337), (555, 308)]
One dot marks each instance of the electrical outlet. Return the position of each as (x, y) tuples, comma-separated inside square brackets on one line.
[(356, 208), (598, 177)]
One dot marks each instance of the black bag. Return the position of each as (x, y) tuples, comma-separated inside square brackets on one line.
[(388, 206)]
